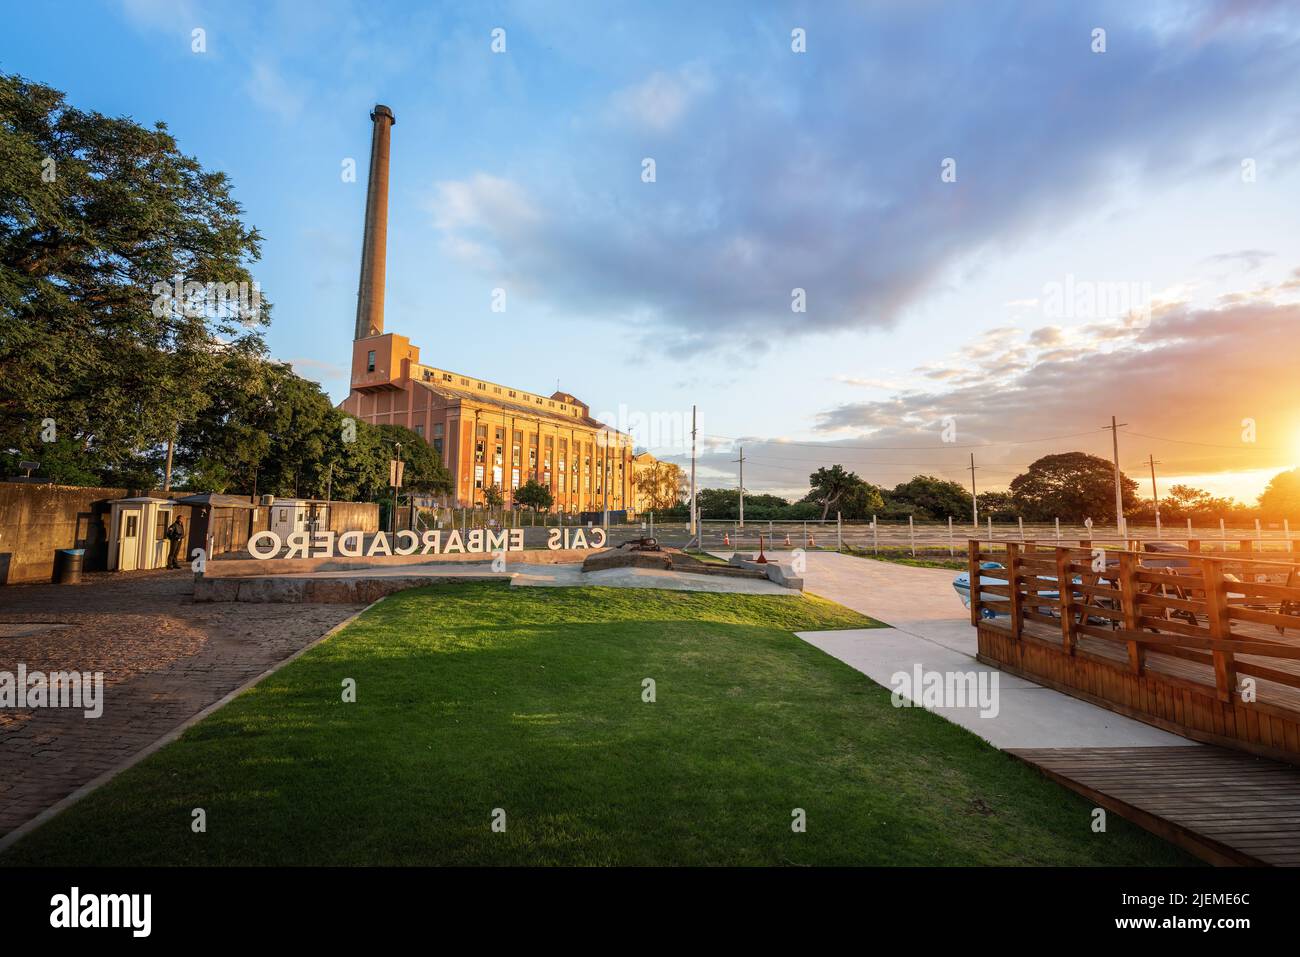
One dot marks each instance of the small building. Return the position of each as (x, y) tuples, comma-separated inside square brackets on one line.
[(137, 532), (218, 523), (289, 515)]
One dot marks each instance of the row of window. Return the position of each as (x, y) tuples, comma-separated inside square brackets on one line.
[(496, 390)]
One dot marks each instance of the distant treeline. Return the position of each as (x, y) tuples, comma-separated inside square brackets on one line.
[(1071, 486)]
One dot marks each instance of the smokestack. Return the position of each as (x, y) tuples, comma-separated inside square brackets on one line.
[(374, 246)]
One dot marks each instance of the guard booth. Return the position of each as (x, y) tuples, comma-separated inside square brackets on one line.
[(289, 515), (219, 523), (137, 533)]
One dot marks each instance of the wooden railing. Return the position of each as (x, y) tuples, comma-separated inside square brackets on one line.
[(1204, 608)]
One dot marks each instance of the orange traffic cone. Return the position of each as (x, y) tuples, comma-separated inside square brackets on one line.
[(812, 542), (726, 539), (787, 538)]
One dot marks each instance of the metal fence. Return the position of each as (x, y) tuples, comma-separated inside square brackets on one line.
[(935, 538)]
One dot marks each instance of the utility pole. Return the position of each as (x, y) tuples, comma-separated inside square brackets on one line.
[(741, 460), (693, 516), (1155, 496), (974, 501), (1119, 494), (167, 477), (397, 485), (604, 479)]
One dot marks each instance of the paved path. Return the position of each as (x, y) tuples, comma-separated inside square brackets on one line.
[(164, 659), (931, 628)]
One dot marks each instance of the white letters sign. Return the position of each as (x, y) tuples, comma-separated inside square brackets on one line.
[(476, 541)]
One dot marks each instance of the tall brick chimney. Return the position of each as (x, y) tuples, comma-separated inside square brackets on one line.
[(370, 292)]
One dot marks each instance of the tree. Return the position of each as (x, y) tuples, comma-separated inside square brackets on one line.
[(99, 218), (661, 484), (533, 494), (829, 485), (422, 467), (494, 498), (999, 506), (1071, 486), (1281, 499), (926, 496)]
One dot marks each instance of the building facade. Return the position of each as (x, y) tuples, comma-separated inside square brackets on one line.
[(489, 434)]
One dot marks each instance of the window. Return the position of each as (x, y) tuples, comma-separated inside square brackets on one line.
[(478, 476), (419, 430), (370, 361), (160, 527), (437, 430), (514, 478), (437, 446)]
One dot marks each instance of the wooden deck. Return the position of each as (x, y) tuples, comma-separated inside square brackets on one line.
[(1207, 646), (1225, 807)]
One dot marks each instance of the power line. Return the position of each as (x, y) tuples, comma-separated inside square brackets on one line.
[(905, 448)]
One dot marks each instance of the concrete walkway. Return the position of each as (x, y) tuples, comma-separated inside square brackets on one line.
[(541, 575), (931, 628)]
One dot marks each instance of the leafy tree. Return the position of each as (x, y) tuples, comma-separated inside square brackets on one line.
[(830, 485), (999, 506), (926, 496), (1281, 499), (1071, 486), (661, 484), (494, 498), (533, 494), (97, 214), (422, 467)]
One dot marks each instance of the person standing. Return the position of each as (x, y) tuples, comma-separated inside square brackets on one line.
[(176, 536)]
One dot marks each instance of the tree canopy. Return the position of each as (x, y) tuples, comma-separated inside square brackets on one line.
[(1071, 486), (99, 219)]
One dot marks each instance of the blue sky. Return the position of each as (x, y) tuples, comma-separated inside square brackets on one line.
[(927, 301)]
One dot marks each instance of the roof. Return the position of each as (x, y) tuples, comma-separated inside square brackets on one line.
[(217, 500), (141, 499), (519, 408)]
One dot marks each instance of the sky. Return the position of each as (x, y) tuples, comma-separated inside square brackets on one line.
[(890, 235)]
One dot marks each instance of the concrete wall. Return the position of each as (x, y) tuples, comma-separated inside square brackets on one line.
[(37, 520), (354, 517)]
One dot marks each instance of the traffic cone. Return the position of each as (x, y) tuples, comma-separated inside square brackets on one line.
[(812, 542), (787, 538), (726, 539)]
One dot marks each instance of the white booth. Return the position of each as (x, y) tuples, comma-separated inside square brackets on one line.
[(137, 533), (289, 515)]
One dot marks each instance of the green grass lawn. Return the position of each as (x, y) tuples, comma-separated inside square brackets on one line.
[(477, 696)]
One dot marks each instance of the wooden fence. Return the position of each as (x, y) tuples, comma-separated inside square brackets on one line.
[(1207, 645)]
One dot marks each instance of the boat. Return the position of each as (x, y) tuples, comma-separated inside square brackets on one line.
[(961, 585)]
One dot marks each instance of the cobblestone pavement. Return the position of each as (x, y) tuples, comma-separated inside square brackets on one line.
[(164, 659)]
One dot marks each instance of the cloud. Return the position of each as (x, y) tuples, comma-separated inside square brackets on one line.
[(822, 173), (659, 102), (1189, 378), (1248, 259)]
